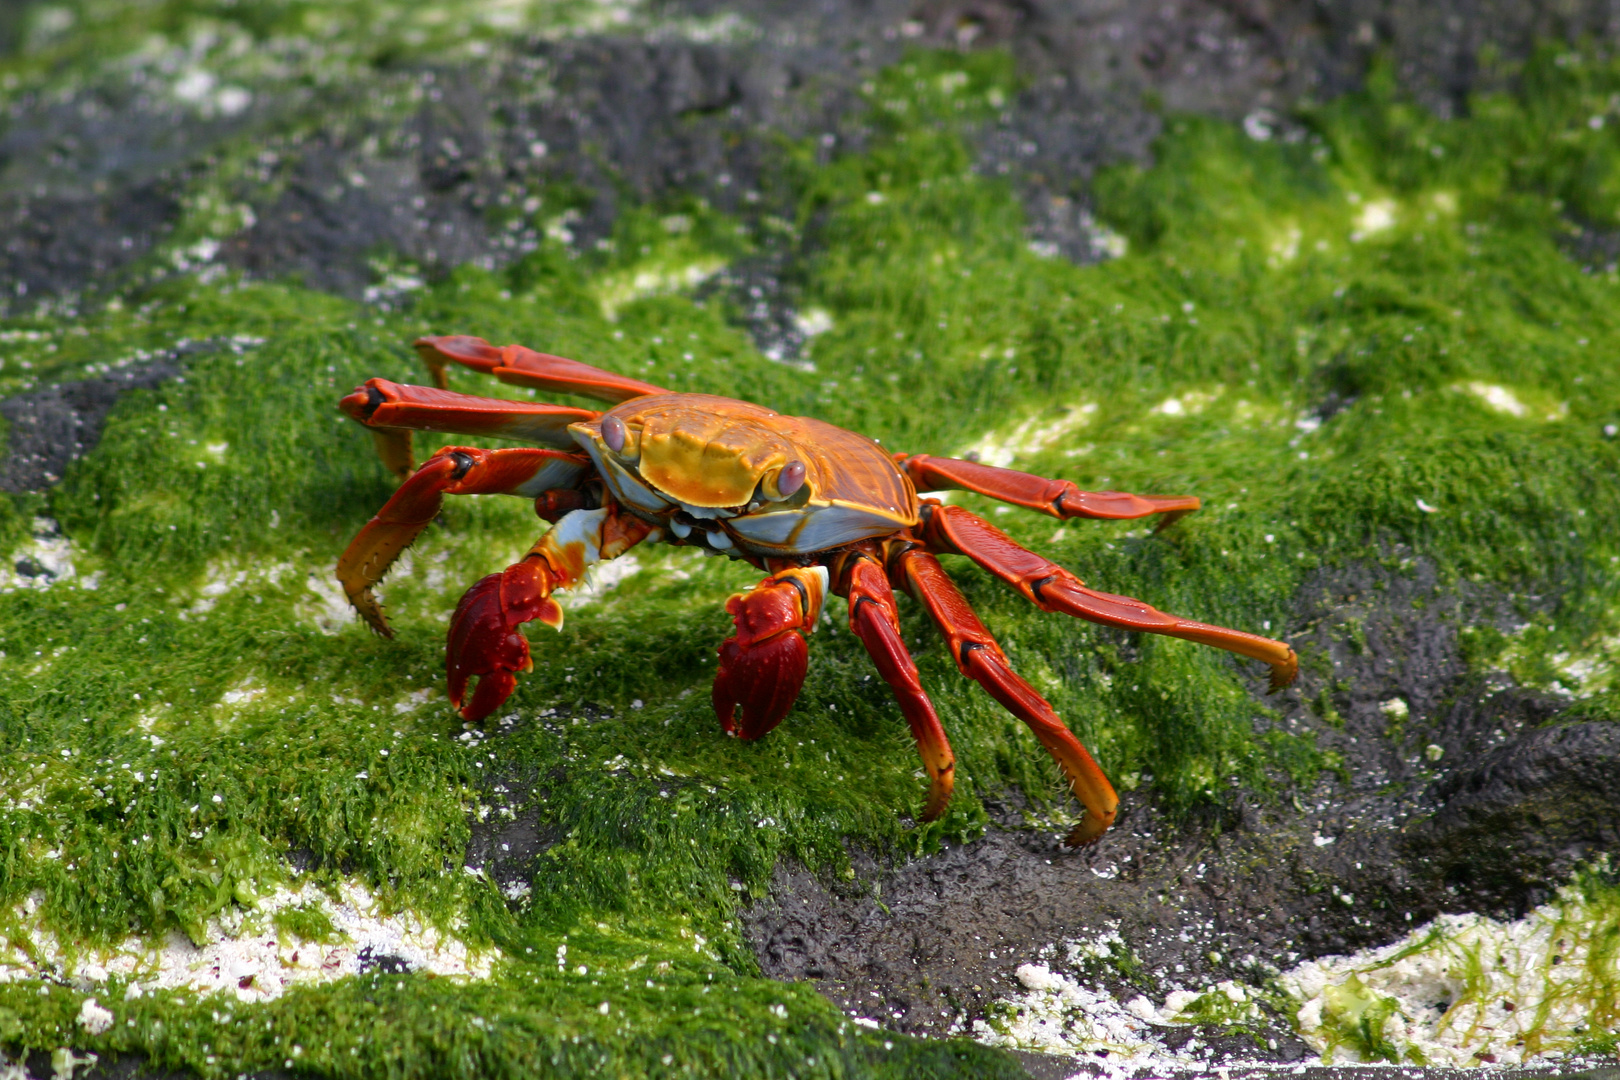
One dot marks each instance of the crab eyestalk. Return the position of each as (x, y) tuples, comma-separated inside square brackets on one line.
[(785, 482)]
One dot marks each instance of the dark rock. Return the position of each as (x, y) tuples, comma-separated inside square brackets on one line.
[(507, 836), (90, 185), (382, 963), (52, 245), (506, 850), (1596, 249), (50, 429), (1527, 815), (1513, 804)]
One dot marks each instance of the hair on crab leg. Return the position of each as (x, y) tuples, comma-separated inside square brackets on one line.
[(1052, 588), (874, 619), (981, 659), (483, 640), (455, 470)]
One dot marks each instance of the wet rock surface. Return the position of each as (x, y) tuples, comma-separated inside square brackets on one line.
[(432, 164), (49, 429), (1476, 800)]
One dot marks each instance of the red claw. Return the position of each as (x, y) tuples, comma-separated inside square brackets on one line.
[(762, 665), (484, 639), (763, 677)]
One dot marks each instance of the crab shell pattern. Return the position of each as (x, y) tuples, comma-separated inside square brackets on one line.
[(817, 508)]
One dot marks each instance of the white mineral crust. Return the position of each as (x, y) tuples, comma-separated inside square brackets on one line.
[(242, 954)]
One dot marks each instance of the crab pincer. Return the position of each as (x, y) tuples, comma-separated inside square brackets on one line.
[(484, 640), (762, 666)]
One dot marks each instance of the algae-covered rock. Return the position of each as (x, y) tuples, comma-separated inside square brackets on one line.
[(1345, 273)]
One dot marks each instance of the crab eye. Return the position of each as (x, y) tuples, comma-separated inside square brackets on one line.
[(790, 479), (613, 433)]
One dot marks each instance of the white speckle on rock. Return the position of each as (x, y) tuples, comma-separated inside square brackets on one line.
[(45, 559), (1499, 398), (93, 1017), (1030, 436), (1377, 216)]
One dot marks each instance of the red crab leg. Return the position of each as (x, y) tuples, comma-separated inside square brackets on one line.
[(874, 619), (981, 659), (525, 367), (455, 470), (392, 410), (762, 665), (1060, 498), (484, 641), (1052, 588)]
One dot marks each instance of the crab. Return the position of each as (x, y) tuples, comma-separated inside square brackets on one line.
[(819, 509)]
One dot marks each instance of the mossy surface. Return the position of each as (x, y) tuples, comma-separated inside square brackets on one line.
[(1365, 338)]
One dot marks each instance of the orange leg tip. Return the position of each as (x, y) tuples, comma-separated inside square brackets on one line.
[(1282, 674), (357, 404), (939, 795), (365, 605), (1089, 831)]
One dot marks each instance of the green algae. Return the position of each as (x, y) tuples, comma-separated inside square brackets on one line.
[(208, 663), (1553, 974)]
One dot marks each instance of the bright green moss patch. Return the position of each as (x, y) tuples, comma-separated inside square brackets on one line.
[(1350, 347)]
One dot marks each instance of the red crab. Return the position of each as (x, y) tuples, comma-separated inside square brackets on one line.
[(816, 507)]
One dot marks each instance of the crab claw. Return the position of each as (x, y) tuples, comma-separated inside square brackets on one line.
[(763, 678), (484, 640), (762, 666)]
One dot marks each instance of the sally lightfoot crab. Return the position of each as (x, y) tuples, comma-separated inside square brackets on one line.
[(815, 507)]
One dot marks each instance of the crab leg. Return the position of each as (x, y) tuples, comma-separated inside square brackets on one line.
[(1060, 498), (874, 619), (455, 470), (484, 641), (762, 665), (1052, 588), (981, 659), (525, 367), (393, 410)]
